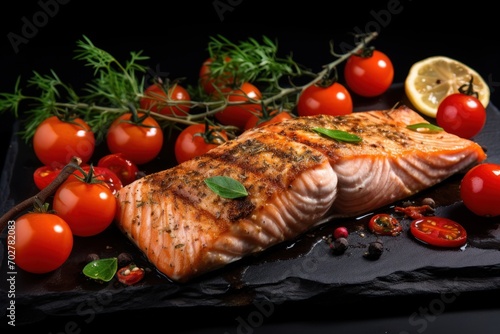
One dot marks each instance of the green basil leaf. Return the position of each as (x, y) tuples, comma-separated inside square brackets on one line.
[(339, 135), (424, 127), (226, 187), (102, 269)]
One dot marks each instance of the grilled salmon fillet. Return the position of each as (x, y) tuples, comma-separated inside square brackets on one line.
[(185, 229), (294, 177), (391, 163)]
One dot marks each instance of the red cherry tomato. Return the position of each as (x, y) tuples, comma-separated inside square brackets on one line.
[(275, 116), (130, 274), (44, 175), (125, 169), (480, 189), (140, 142), (103, 174), (158, 100), (238, 115), (195, 140), (209, 81), (461, 114), (333, 100), (88, 208), (43, 242), (56, 141), (385, 224), (439, 232), (369, 73)]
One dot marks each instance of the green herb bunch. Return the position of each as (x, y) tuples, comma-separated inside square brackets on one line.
[(117, 88)]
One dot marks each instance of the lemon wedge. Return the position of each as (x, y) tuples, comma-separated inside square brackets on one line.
[(430, 80)]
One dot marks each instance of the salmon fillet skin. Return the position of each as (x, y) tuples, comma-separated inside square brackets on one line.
[(294, 176)]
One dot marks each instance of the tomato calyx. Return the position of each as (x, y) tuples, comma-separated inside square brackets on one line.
[(211, 135), (41, 207), (87, 175), (99, 175), (136, 119), (330, 78), (468, 88), (167, 98), (365, 52)]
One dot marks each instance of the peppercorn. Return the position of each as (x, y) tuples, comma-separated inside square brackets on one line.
[(375, 250), (429, 201), (92, 257), (339, 245), (124, 259)]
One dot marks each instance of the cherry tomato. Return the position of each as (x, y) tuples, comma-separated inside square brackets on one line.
[(385, 224), (156, 99), (125, 169), (44, 175), (480, 189), (439, 231), (369, 73), (275, 116), (43, 242), (332, 100), (210, 82), (238, 115), (461, 114), (56, 141), (88, 207), (195, 140), (138, 140), (130, 274), (103, 174)]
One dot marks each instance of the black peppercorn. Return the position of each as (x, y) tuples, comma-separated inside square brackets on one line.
[(92, 257), (124, 259), (339, 245), (375, 250)]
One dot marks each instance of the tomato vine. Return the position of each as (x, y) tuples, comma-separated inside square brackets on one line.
[(116, 86)]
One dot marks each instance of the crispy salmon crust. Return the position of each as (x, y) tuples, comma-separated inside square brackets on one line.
[(295, 177), (185, 229)]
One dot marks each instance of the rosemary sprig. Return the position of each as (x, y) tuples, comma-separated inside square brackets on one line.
[(116, 86), (251, 61)]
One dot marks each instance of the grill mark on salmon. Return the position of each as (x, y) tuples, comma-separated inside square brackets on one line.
[(186, 229), (391, 163), (296, 179)]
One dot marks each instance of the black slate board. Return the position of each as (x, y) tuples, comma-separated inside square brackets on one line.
[(301, 270)]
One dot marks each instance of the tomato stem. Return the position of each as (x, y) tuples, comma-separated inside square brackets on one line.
[(468, 88)]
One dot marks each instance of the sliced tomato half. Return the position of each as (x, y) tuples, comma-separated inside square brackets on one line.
[(439, 231), (385, 224), (44, 175), (130, 274), (125, 169)]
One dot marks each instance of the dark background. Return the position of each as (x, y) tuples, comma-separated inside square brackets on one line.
[(175, 35)]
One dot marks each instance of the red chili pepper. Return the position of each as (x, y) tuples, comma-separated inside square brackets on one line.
[(414, 212), (130, 274)]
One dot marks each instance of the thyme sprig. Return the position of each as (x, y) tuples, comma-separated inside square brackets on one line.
[(116, 86)]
